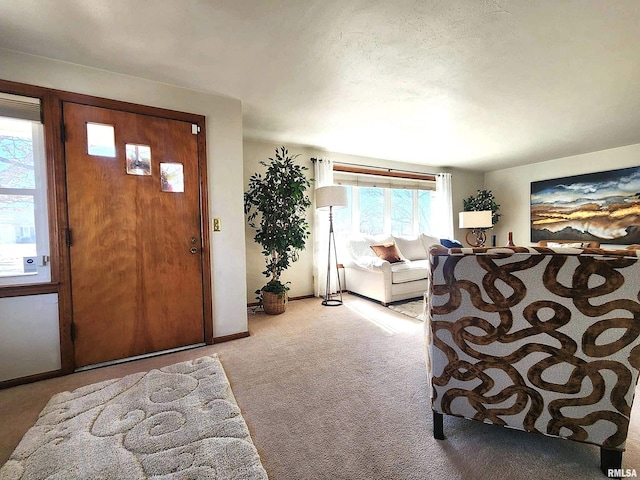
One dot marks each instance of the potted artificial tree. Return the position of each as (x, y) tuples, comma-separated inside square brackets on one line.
[(481, 202), (275, 205)]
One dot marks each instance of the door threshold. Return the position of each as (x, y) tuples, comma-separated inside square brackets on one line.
[(137, 357)]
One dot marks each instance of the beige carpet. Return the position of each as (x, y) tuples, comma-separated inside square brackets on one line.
[(341, 393), (179, 422), (410, 309)]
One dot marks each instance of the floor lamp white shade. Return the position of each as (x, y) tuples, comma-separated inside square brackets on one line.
[(331, 196)]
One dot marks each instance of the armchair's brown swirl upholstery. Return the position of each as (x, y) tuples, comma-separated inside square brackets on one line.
[(535, 339)]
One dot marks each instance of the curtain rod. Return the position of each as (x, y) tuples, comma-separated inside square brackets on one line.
[(376, 167), (393, 172)]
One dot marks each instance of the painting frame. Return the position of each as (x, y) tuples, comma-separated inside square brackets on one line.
[(600, 206)]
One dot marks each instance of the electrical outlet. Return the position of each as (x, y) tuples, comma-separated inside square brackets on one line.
[(217, 224)]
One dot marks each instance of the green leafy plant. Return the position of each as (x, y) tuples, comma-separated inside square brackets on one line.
[(275, 286), (484, 200), (276, 205)]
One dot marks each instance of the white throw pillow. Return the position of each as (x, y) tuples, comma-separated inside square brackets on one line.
[(564, 245), (361, 246), (428, 241), (411, 248)]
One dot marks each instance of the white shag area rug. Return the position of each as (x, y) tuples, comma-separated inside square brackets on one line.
[(411, 309), (178, 422)]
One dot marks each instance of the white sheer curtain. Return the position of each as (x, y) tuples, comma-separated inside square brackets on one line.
[(442, 212), (323, 175)]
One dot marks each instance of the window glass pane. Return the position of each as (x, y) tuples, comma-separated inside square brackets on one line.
[(138, 159), (16, 154), (101, 140), (401, 212), (17, 233), (342, 217), (376, 210), (171, 177), (424, 211), (24, 231), (371, 210)]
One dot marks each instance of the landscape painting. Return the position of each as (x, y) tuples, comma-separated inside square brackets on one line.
[(603, 207)]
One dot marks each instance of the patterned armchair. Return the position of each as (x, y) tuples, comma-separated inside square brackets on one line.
[(536, 339)]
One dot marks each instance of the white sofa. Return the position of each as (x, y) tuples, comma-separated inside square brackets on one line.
[(368, 275)]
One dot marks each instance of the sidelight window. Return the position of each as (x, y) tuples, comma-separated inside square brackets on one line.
[(24, 233)]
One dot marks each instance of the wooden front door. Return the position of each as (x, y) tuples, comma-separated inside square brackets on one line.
[(136, 256)]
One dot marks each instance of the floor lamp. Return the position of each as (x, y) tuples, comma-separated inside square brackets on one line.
[(331, 196)]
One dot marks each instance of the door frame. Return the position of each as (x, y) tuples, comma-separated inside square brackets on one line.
[(60, 283), (66, 340)]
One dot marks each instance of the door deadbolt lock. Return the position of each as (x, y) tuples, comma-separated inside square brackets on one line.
[(193, 250)]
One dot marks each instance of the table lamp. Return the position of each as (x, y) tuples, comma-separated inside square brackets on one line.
[(476, 222)]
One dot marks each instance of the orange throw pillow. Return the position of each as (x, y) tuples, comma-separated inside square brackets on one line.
[(388, 252)]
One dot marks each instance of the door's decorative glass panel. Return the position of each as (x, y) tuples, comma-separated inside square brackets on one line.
[(17, 233), (101, 140), (138, 159), (172, 177)]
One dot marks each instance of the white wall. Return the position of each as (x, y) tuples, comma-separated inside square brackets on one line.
[(300, 274), (512, 186), (224, 159)]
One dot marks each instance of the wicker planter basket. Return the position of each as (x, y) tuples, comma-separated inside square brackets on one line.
[(274, 303)]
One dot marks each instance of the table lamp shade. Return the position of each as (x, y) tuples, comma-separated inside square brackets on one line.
[(331, 196), (476, 219)]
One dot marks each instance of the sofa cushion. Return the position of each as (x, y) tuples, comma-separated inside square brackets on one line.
[(409, 271), (428, 241), (360, 247), (388, 252), (411, 248), (566, 245)]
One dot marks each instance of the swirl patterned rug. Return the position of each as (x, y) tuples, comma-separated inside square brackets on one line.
[(179, 422)]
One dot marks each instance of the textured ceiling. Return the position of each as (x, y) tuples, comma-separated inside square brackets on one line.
[(473, 84)]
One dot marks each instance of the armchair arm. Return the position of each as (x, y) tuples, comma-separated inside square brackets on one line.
[(370, 278), (373, 264)]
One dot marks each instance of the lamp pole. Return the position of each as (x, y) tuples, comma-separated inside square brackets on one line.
[(329, 301), (331, 196)]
